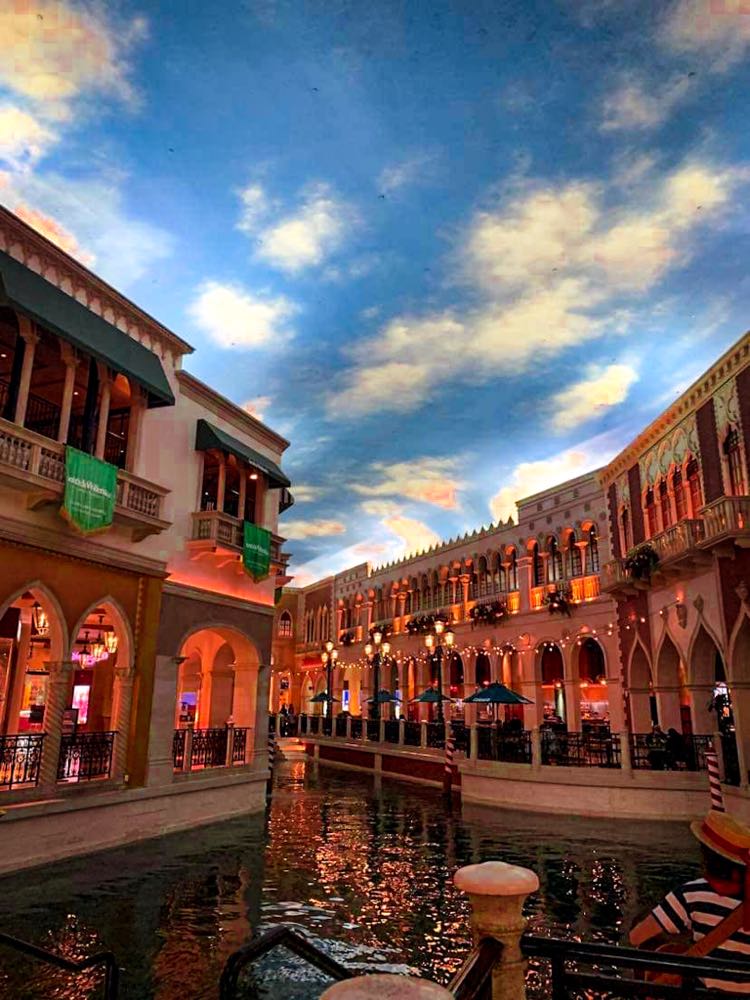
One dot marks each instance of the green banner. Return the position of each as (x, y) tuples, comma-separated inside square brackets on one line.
[(90, 488), (256, 551)]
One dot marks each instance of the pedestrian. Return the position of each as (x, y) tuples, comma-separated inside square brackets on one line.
[(675, 748), (714, 910), (283, 721), (656, 741)]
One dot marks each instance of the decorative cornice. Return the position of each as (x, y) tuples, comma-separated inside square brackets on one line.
[(229, 411), (17, 235), (68, 546), (727, 367), (222, 600)]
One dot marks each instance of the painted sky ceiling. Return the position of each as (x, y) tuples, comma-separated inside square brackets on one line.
[(455, 252)]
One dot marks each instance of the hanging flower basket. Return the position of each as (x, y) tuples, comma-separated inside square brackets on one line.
[(559, 601), (641, 561), (422, 624), (488, 614)]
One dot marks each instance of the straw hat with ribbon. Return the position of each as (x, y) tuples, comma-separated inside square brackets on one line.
[(726, 836)]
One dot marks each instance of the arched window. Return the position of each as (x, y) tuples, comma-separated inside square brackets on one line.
[(694, 486), (734, 463), (665, 506), (555, 560), (627, 537), (651, 513), (497, 573), (513, 571), (285, 625), (538, 565), (575, 567), (407, 602), (680, 497), (483, 578), (593, 550)]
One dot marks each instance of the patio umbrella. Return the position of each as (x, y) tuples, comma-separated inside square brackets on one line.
[(430, 697), (384, 697), (320, 699), (496, 694)]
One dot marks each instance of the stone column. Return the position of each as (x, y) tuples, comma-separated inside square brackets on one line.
[(473, 742), (627, 762), (31, 339), (56, 700), (230, 743), (259, 739), (423, 734), (122, 697), (160, 766), (242, 500), (70, 361), (187, 762), (700, 697), (133, 453), (386, 987), (496, 894), (222, 485), (525, 580), (14, 698), (104, 401), (572, 704), (536, 748)]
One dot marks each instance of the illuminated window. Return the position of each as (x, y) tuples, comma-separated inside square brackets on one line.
[(651, 513), (627, 538), (680, 497), (665, 506), (555, 560), (694, 486), (734, 463), (538, 565), (513, 571), (574, 557), (593, 550), (285, 625)]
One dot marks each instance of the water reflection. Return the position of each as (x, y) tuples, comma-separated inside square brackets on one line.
[(367, 873)]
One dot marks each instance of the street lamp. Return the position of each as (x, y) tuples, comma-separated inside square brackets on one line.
[(328, 657), (375, 658), (442, 638)]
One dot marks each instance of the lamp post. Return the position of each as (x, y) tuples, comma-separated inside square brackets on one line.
[(328, 657), (374, 656), (442, 638)]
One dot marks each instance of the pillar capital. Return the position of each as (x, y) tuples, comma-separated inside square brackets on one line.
[(27, 329)]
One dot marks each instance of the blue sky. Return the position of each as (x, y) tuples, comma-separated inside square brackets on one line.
[(454, 252)]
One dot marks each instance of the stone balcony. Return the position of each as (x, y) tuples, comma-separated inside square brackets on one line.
[(726, 523), (35, 465), (680, 550), (218, 534)]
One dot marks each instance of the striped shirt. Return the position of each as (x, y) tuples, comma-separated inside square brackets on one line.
[(696, 909)]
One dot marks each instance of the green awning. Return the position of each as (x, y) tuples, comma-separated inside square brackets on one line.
[(207, 437), (43, 302)]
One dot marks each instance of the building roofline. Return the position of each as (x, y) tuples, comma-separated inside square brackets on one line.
[(230, 411), (551, 490), (731, 361), (178, 345)]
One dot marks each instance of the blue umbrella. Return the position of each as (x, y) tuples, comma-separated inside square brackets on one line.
[(384, 697), (496, 694), (320, 699), (430, 697)]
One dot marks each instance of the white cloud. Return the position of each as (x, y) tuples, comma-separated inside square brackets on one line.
[(639, 105), (89, 219), (235, 317), (309, 236), (426, 480), (255, 206), (322, 528), (529, 478), (304, 493), (23, 138), (415, 536), (717, 29), (405, 172), (380, 508), (53, 51), (555, 267), (586, 399), (257, 406)]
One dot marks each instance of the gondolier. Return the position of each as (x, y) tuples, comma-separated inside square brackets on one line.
[(714, 911)]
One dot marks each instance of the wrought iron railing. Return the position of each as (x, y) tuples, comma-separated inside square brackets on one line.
[(279, 937), (460, 732), (20, 759), (85, 756), (326, 725), (436, 735), (412, 733), (209, 747), (103, 959), (304, 725), (178, 749), (313, 724), (341, 725), (684, 753), (731, 758), (508, 748), (578, 969), (392, 730), (373, 730), (580, 749), (239, 747), (356, 729)]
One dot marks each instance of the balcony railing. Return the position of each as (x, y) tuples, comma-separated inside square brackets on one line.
[(209, 747), (727, 520), (580, 749), (688, 753), (679, 540), (20, 759), (509, 748), (585, 588), (37, 464), (225, 531), (85, 756)]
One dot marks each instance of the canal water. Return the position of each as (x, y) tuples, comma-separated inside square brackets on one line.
[(363, 869)]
